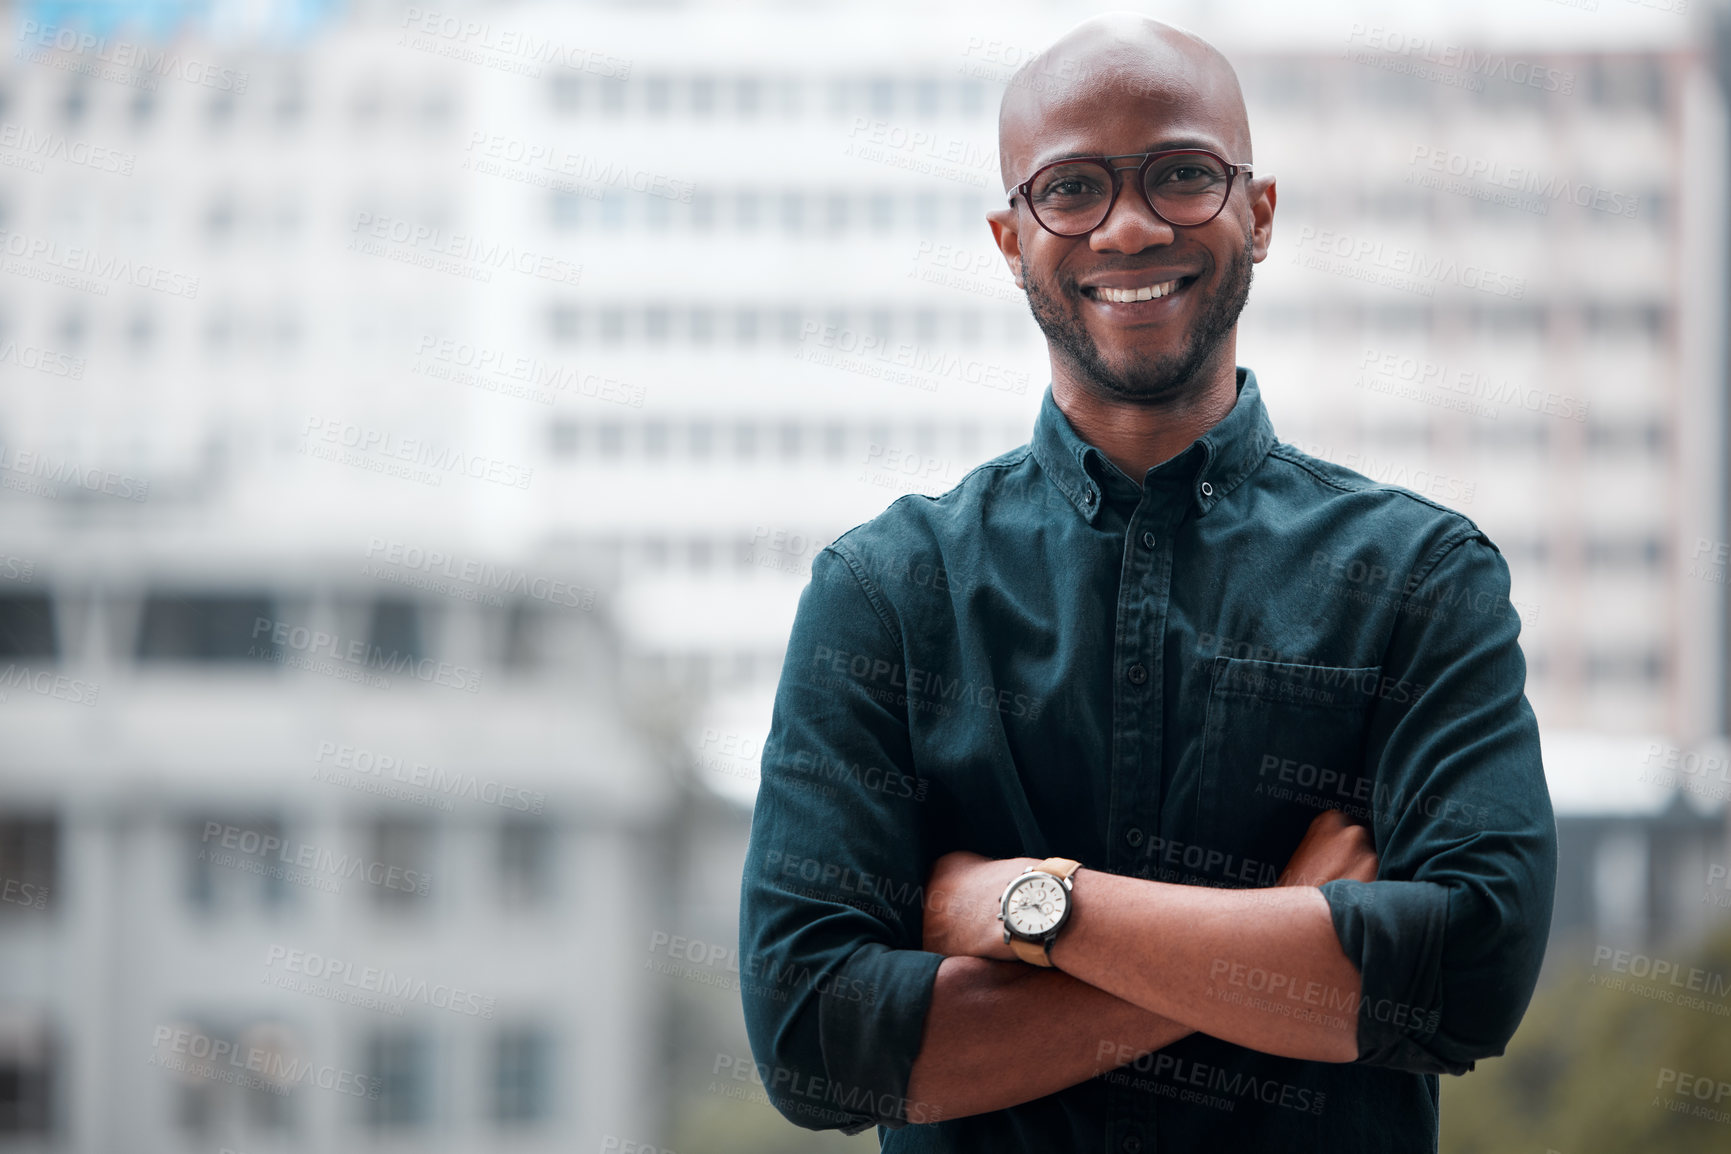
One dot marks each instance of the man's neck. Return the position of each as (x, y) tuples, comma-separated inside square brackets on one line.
[(1138, 437)]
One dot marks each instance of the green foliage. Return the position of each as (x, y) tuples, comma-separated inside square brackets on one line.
[(1585, 1072), (729, 1126)]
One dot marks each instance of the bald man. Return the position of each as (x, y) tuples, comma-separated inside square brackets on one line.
[(1159, 787)]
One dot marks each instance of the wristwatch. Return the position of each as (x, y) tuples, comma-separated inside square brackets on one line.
[(1035, 906)]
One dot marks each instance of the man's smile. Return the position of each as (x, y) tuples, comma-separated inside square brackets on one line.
[(1140, 292)]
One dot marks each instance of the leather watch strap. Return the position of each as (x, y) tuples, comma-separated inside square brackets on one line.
[(1059, 867), (1035, 953)]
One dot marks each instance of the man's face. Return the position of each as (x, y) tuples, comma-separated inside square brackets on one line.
[(1146, 351)]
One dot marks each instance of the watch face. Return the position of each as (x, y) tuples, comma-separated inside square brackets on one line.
[(1036, 905)]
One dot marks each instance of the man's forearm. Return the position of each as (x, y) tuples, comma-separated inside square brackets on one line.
[(1002, 1033), (1260, 968)]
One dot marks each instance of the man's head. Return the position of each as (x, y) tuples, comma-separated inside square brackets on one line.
[(1118, 85)]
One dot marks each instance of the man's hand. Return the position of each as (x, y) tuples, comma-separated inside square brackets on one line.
[(1334, 848), (963, 898)]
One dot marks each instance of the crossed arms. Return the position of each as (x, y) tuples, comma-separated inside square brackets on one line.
[(1000, 1032)]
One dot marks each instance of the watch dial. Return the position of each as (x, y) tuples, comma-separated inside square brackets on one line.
[(1036, 905)]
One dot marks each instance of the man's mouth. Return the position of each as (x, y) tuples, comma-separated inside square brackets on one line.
[(1147, 292)]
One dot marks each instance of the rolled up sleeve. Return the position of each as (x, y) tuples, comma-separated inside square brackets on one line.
[(834, 984), (1449, 939)]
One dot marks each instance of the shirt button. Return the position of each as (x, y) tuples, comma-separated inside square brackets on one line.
[(1207, 489), (1133, 836), (1131, 1144), (1147, 540), (1137, 674), (1087, 496)]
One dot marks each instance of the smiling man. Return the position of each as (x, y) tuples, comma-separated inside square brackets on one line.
[(1159, 787)]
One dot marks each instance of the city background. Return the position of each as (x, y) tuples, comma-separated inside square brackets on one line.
[(416, 424)]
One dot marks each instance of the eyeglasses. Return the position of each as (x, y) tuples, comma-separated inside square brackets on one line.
[(1184, 187)]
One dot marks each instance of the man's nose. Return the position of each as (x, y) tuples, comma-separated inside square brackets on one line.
[(1131, 226)]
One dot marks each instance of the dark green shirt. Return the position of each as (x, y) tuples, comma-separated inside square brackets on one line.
[(1167, 681)]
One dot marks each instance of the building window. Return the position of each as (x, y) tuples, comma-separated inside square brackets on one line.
[(745, 440), (747, 95), (745, 326), (883, 95), (195, 1107), (76, 102), (401, 866), (1636, 551), (567, 210), (1624, 666), (567, 91), (657, 322), (657, 93), (142, 107), (612, 325), (926, 96), (177, 627), (702, 96), (567, 437), (27, 626), (400, 1062), (702, 439), (394, 632), (1637, 437), (29, 864), (613, 97), (612, 438), (567, 323), (745, 211), (834, 441), (236, 863), (522, 1075), (612, 211), (883, 211), (526, 868)]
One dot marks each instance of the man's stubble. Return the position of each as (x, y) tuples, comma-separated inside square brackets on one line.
[(1162, 377)]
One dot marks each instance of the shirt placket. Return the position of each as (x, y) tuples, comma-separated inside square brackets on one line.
[(1144, 589)]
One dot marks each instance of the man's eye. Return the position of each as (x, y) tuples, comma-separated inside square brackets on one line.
[(1190, 174), (1071, 188)]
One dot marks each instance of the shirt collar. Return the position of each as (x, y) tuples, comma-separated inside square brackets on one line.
[(1228, 453)]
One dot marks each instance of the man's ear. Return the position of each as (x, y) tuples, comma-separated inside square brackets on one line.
[(1003, 222), (1261, 216)]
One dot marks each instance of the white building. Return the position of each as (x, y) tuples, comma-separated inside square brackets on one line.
[(802, 292)]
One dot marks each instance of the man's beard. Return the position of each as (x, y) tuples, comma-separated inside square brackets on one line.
[(1164, 375)]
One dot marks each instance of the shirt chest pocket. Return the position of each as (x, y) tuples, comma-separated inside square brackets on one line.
[(1281, 743)]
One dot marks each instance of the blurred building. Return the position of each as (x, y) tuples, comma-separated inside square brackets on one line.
[(291, 860), (325, 822), (548, 343)]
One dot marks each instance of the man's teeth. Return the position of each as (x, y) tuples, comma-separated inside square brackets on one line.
[(1146, 293)]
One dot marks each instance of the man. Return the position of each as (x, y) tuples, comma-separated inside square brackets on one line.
[(1158, 643)]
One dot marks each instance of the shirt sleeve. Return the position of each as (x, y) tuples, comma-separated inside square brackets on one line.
[(834, 983), (1448, 940)]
